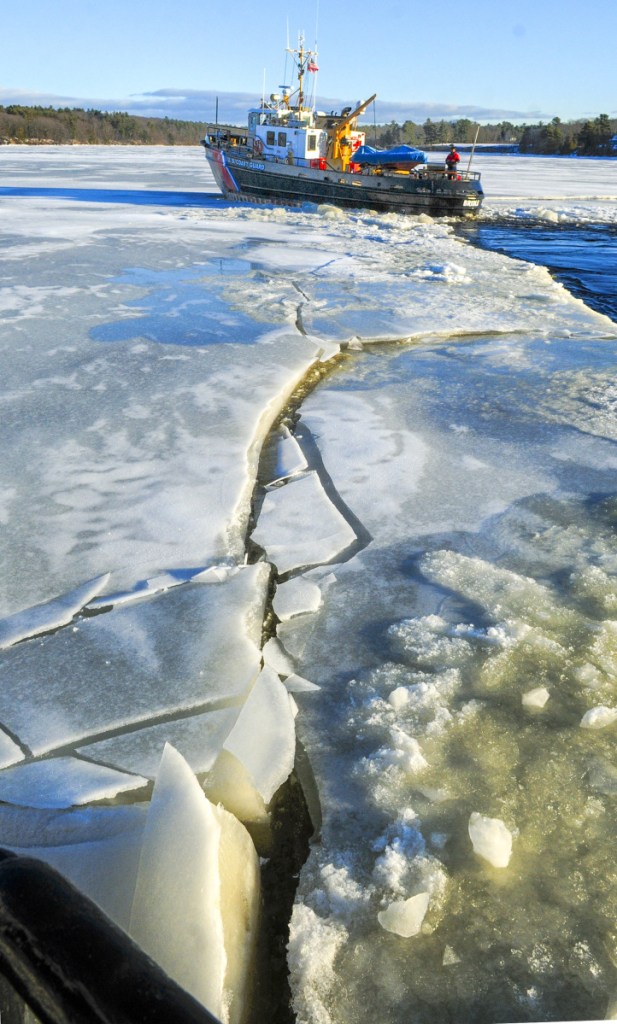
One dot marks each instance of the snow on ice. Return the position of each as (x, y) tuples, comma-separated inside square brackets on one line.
[(149, 344)]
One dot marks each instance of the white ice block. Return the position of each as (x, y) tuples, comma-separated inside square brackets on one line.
[(405, 917), (536, 698), (599, 717), (490, 839)]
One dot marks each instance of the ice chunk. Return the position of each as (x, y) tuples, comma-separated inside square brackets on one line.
[(63, 782), (197, 892), (405, 917), (599, 717), (42, 618), (491, 839), (399, 697), (405, 752), (536, 698), (260, 748), (299, 526), (296, 597)]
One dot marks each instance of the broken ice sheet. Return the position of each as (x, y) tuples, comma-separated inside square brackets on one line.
[(63, 782), (189, 648), (199, 738), (50, 615), (299, 526)]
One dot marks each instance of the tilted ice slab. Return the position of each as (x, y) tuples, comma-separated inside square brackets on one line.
[(196, 901), (194, 647), (245, 752), (299, 526)]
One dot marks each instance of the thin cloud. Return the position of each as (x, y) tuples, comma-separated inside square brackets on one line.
[(201, 105)]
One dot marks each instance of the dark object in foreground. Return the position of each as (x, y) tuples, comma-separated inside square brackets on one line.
[(71, 964)]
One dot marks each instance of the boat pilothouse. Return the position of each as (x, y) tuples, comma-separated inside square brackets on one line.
[(291, 153)]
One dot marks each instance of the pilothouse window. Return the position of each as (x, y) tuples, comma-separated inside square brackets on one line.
[(270, 136), (282, 138), (311, 142)]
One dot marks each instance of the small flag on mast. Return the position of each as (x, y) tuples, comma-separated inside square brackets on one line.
[(311, 66)]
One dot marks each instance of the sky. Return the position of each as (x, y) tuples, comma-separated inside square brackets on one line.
[(521, 61)]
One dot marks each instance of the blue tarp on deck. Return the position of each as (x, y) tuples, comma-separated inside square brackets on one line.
[(398, 155)]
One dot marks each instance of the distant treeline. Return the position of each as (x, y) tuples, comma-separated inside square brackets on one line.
[(587, 138), (38, 125), (96, 127)]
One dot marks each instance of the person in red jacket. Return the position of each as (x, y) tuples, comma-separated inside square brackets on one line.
[(452, 159)]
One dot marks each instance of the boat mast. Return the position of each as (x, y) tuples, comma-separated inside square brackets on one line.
[(304, 60), (301, 73)]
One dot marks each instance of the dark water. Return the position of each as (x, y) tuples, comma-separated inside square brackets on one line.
[(582, 257)]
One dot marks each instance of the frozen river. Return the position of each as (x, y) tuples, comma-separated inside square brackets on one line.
[(432, 518)]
